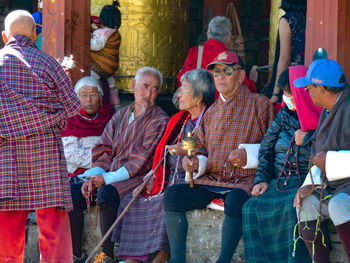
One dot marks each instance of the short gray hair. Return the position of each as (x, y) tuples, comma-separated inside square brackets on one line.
[(219, 28), (202, 84), (88, 81), (149, 71)]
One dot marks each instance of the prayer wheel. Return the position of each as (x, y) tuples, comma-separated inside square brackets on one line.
[(154, 33)]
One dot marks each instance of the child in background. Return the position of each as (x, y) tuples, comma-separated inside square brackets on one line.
[(105, 44)]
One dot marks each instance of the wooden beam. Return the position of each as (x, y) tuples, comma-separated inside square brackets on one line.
[(66, 31), (328, 26)]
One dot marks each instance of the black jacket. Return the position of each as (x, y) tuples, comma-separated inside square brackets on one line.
[(275, 145)]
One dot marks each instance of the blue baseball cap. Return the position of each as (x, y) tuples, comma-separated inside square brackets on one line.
[(324, 72)]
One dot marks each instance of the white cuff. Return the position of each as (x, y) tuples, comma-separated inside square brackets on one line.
[(337, 165), (252, 154), (120, 175), (91, 172), (202, 165), (316, 176)]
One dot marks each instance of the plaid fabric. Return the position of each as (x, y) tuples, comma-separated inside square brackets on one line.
[(36, 97), (268, 225), (142, 230), (130, 145), (244, 118)]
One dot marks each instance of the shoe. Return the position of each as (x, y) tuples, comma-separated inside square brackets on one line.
[(103, 258), (82, 259), (217, 204)]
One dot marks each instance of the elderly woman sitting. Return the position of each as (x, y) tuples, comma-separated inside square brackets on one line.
[(142, 231), (81, 135)]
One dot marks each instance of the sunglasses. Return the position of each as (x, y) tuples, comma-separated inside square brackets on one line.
[(227, 71)]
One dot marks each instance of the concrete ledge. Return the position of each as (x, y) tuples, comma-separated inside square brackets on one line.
[(203, 240)]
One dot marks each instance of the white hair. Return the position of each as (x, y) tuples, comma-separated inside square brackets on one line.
[(88, 81), (13, 16), (219, 28), (149, 71)]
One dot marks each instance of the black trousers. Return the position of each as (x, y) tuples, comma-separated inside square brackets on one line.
[(108, 201), (180, 198)]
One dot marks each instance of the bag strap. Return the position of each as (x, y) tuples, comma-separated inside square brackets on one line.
[(199, 57), (231, 13)]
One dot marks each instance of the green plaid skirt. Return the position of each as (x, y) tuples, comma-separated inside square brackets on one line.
[(268, 225)]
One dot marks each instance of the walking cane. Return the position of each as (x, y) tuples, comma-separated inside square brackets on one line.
[(104, 238)]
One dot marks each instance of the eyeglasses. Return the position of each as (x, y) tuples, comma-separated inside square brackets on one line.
[(307, 88), (86, 96), (227, 71), (182, 91)]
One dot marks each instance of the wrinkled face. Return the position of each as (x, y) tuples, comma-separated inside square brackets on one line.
[(89, 99), (315, 93), (226, 82), (146, 90), (186, 99)]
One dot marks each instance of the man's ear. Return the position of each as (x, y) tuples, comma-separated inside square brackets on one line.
[(241, 76), (133, 84), (4, 37)]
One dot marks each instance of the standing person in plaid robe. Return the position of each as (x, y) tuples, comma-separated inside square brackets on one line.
[(326, 84), (221, 169), (123, 155), (36, 98)]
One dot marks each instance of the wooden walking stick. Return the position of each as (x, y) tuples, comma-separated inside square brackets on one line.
[(116, 222)]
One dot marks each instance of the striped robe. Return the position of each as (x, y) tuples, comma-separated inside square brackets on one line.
[(36, 97), (243, 118), (130, 145)]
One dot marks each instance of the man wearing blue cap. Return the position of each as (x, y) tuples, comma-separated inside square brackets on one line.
[(326, 84)]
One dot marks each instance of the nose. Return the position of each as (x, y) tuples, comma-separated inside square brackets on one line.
[(148, 93)]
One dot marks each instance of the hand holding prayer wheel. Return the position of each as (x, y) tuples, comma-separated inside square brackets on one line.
[(189, 143)]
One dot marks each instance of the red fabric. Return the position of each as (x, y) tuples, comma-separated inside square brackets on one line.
[(82, 125), (211, 49), (308, 113), (54, 238), (173, 129)]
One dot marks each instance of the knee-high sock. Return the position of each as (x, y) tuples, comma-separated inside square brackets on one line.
[(344, 235), (76, 219), (108, 215), (230, 236), (176, 227), (321, 252)]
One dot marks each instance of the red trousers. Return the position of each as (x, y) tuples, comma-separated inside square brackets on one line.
[(55, 242)]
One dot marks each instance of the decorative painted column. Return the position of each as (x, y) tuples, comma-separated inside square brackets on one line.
[(328, 26), (66, 31)]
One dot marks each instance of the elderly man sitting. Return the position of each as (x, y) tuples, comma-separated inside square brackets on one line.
[(220, 168), (124, 153), (326, 84)]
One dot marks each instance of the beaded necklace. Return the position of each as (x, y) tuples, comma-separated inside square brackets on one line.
[(182, 128)]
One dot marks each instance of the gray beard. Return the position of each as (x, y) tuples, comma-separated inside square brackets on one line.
[(146, 106)]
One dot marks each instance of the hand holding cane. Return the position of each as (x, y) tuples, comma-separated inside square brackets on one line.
[(109, 232)]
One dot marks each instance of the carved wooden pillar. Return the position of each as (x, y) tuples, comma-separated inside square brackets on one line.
[(328, 26), (66, 31)]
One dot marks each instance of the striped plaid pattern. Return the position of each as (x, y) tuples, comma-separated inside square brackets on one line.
[(142, 230), (244, 118), (130, 145), (266, 238), (36, 98)]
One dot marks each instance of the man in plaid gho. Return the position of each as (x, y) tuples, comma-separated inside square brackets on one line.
[(221, 169), (36, 97)]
